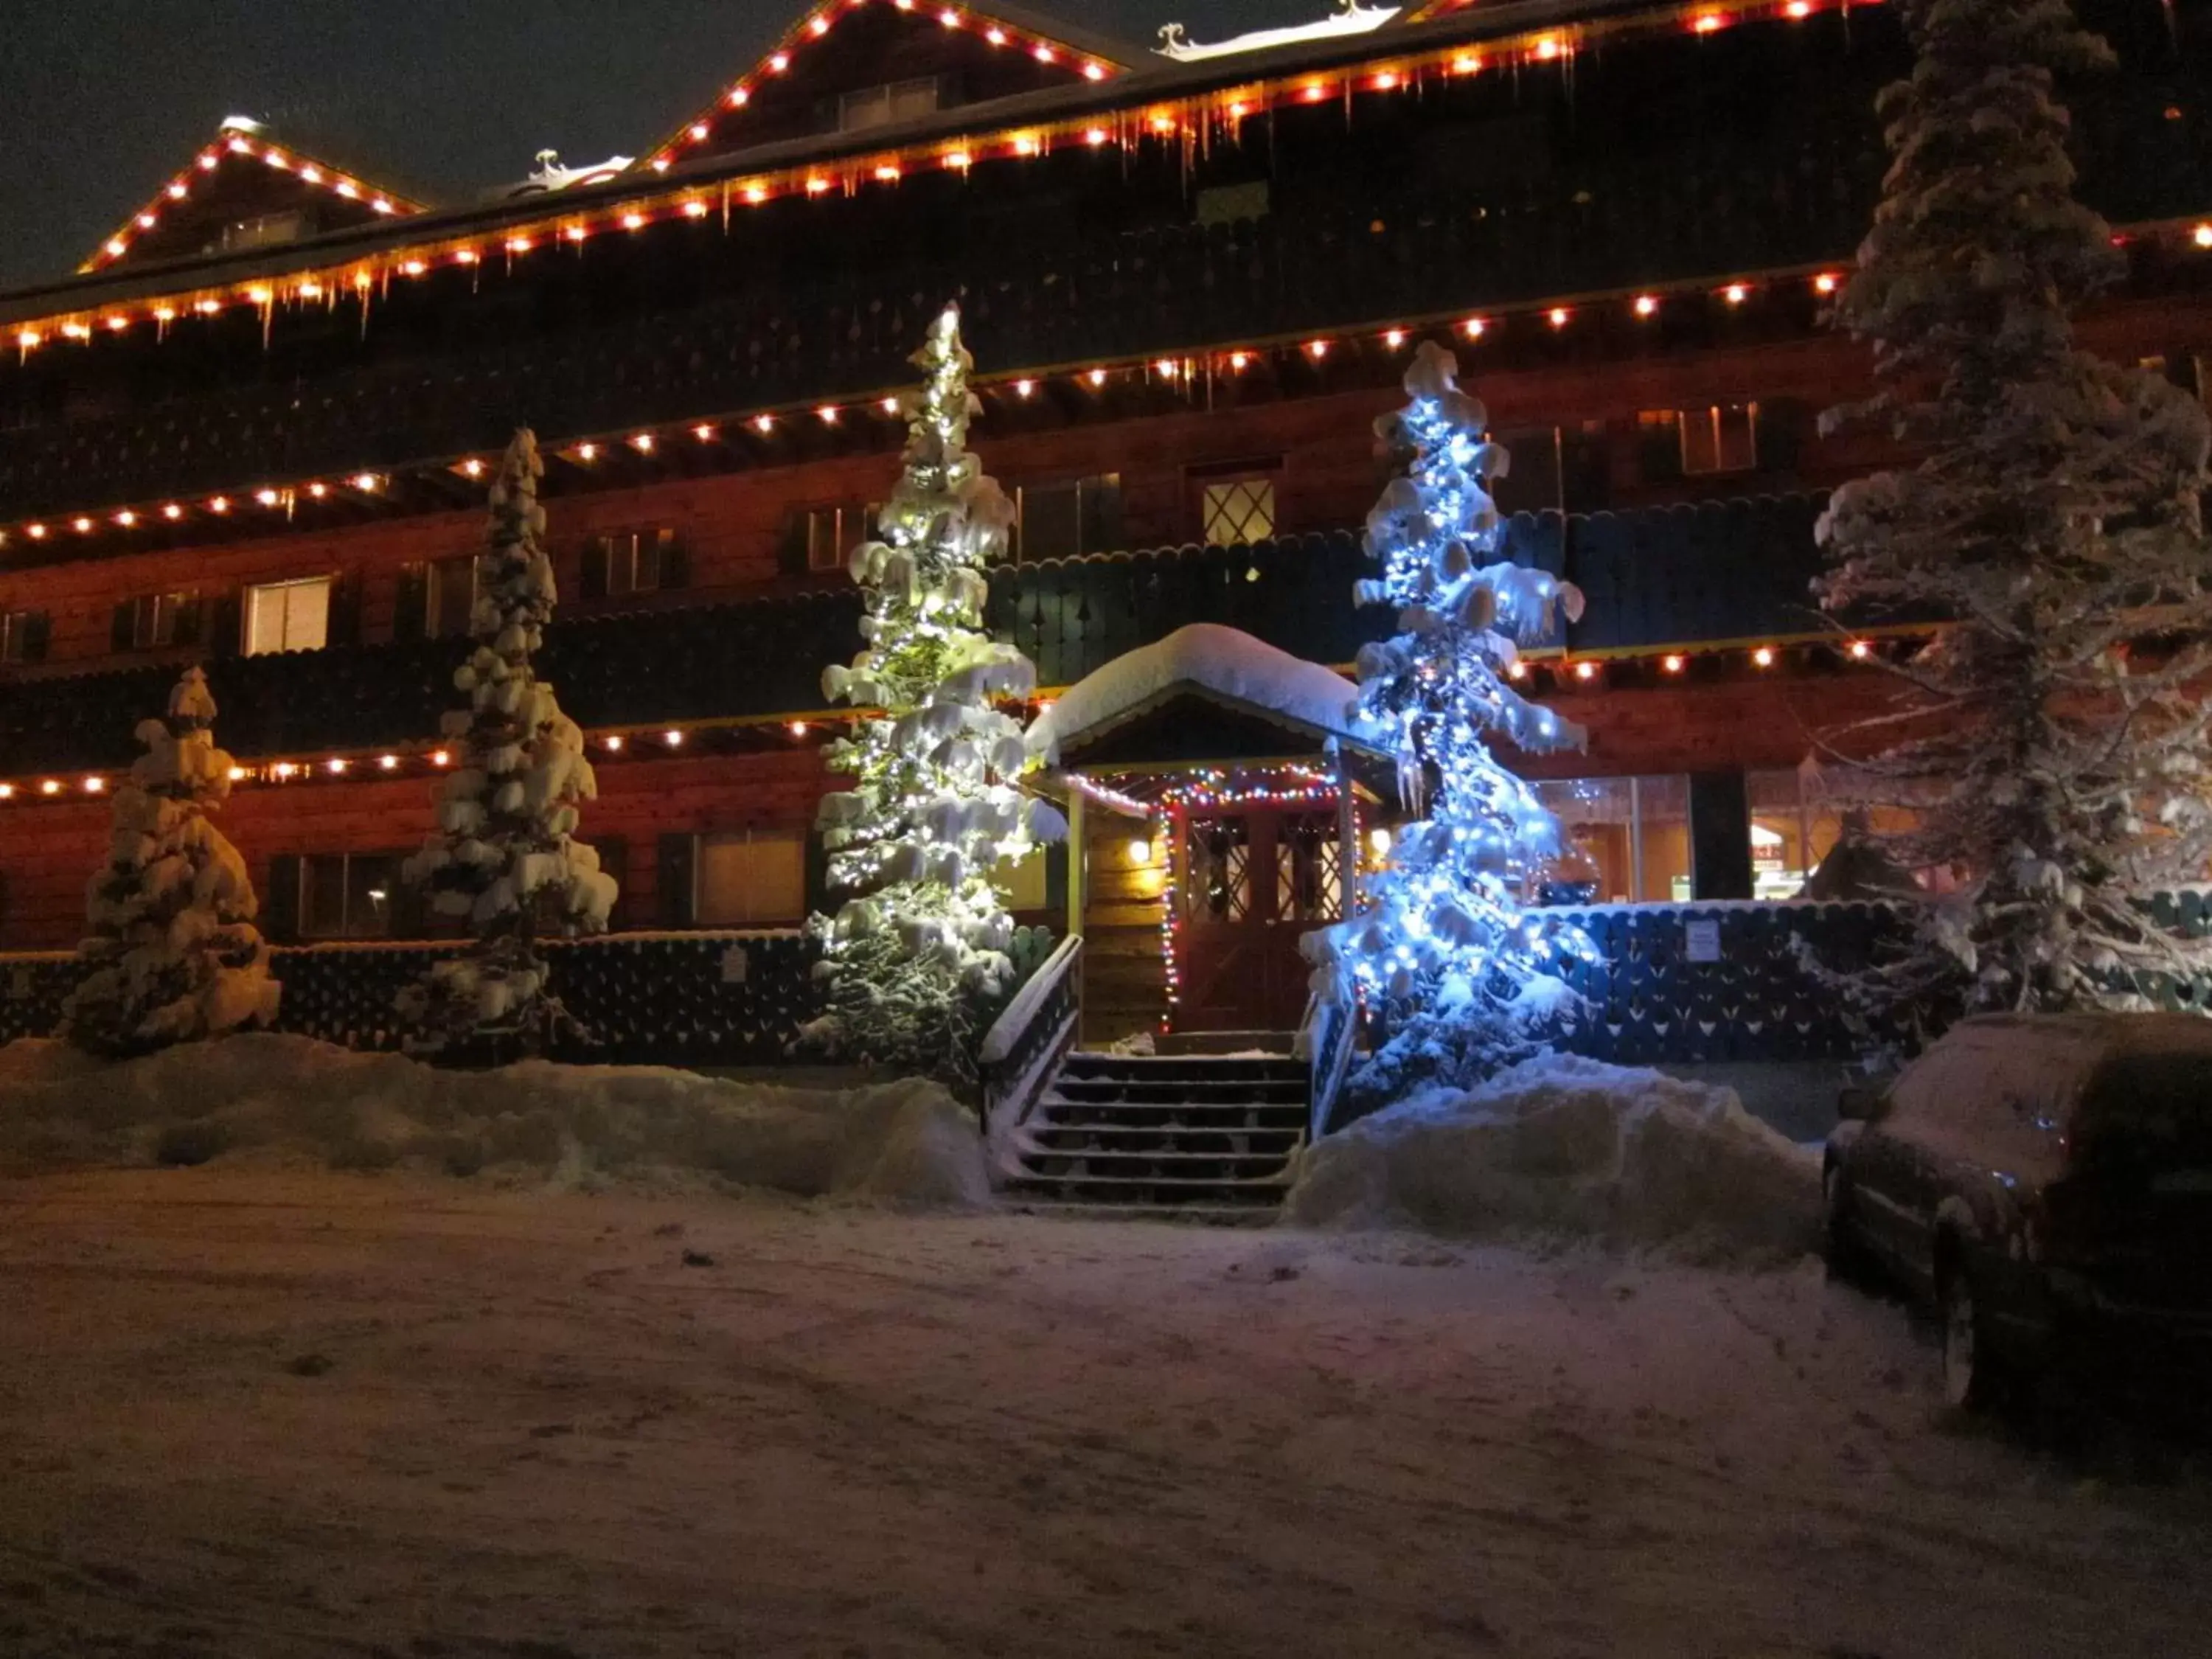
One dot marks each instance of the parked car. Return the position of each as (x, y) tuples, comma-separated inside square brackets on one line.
[(2044, 1182)]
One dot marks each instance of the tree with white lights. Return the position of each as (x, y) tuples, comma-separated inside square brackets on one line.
[(1442, 944), (917, 957), (174, 956), (2051, 526), (506, 858)]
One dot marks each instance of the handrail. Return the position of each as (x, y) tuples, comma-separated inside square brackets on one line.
[(1025, 1045), (1328, 1039)]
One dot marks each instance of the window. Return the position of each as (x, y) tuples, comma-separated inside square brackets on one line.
[(1216, 873), (752, 878), (1798, 818), (1060, 520), (347, 894), (1020, 883), (1235, 510), (269, 230), (291, 616), (153, 622), (887, 106), (23, 637), (450, 599), (1307, 858), (1536, 480), (830, 533), (1719, 438), (1225, 204), (1625, 841), (630, 562)]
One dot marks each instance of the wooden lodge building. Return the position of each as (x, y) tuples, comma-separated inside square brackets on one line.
[(253, 431)]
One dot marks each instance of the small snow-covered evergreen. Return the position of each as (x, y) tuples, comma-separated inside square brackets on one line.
[(506, 858), (1443, 941), (2053, 523), (917, 957), (174, 956)]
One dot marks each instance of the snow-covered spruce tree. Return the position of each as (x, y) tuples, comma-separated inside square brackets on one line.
[(916, 959), (1442, 943), (505, 858), (2052, 523), (174, 956)]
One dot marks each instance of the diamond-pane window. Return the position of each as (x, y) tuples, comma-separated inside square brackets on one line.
[(1233, 510), (1217, 885), (1306, 861)]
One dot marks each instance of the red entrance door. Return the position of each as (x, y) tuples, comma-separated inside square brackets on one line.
[(1250, 884)]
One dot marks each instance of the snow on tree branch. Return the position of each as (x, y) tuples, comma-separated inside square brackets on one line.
[(1442, 939), (174, 953), (506, 858)]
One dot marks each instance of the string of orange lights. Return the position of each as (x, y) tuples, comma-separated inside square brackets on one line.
[(1180, 120)]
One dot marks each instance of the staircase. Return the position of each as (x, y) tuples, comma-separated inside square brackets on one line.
[(1193, 1137)]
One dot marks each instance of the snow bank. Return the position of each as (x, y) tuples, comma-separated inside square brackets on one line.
[(904, 1143), (1226, 661), (1575, 1149)]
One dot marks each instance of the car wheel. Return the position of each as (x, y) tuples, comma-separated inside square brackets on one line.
[(1845, 1254), (1970, 1369)]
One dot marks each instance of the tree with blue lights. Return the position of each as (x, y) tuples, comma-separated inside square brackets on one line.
[(1442, 944)]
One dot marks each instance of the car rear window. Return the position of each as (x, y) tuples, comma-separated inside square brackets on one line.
[(2147, 1108)]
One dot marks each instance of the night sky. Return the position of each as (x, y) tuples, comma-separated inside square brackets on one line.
[(101, 101)]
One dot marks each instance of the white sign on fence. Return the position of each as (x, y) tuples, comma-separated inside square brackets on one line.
[(1701, 941)]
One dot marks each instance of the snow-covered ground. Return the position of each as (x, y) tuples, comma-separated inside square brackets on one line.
[(1561, 1147), (267, 1100), (247, 1412)]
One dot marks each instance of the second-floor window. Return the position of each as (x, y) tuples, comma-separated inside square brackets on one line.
[(153, 621), (1234, 509), (450, 599), (887, 106), (293, 616), (1716, 438), (751, 878), (23, 637), (830, 533), (1058, 521), (630, 562), (347, 894)]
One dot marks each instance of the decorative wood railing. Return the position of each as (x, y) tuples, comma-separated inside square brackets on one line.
[(1659, 577), (1329, 1041), (1023, 1047)]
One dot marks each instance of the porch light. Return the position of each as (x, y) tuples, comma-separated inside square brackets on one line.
[(1378, 842), (1140, 850)]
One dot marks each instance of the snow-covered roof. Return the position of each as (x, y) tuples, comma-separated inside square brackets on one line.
[(1224, 663), (1352, 18)]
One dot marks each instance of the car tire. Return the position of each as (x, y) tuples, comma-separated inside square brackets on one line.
[(1973, 1378), (1841, 1249)]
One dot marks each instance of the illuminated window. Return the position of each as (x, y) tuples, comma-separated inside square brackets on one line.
[(1060, 520), (347, 894), (1626, 841), (1306, 864), (1799, 818), (887, 106), (269, 230), (1718, 438), (751, 878), (1020, 883), (293, 616), (1231, 511)]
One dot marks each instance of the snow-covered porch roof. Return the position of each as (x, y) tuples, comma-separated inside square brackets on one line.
[(1204, 694)]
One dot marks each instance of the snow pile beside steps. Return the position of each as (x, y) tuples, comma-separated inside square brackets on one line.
[(286, 1097), (1572, 1150)]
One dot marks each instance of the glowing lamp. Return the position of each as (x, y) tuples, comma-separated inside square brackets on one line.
[(2201, 236), (388, 762), (219, 506), (889, 406), (1095, 137), (172, 512), (1023, 388), (960, 160), (238, 774), (704, 434), (1557, 316), (1646, 304), (818, 26), (740, 97), (1385, 81), (441, 758), (797, 728), (779, 63), (285, 769), (1708, 22), (319, 490), (1474, 328), (1547, 48), (949, 18), (1798, 9), (1764, 656), (816, 186), (117, 247), (673, 739), (1466, 64), (615, 744), (695, 208), (997, 37), (1097, 377), (178, 191), (1736, 293), (642, 443), (414, 268), (887, 173), (36, 533), (260, 296), (93, 785), (365, 483), (7, 792), (1043, 54), (633, 221), (1824, 283), (473, 467), (126, 518), (379, 205), (83, 526), (1140, 850), (763, 423), (1379, 842), (50, 786), (335, 766), (588, 452), (1318, 348), (1861, 650), (828, 414), (1093, 72), (699, 132), (1394, 338), (1585, 671), (518, 244)]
